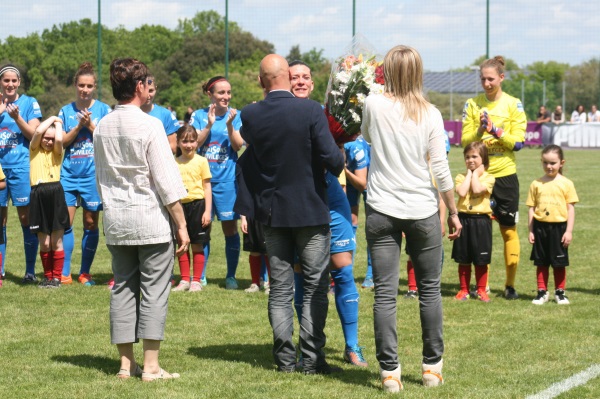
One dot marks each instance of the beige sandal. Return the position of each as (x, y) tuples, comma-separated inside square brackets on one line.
[(125, 374), (161, 375)]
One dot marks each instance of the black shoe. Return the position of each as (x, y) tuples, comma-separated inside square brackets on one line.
[(29, 279), (46, 283), (411, 294), (324, 369), (54, 283), (510, 293)]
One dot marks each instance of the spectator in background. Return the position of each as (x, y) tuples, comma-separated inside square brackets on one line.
[(543, 116), (558, 116), (188, 115), (594, 115), (579, 115)]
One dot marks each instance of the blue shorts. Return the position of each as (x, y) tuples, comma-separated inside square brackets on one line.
[(342, 234), (17, 187), (82, 191), (223, 195)]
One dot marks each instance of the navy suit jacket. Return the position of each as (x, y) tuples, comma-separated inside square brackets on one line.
[(281, 179)]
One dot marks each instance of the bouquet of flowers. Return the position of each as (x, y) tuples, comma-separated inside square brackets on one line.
[(353, 77)]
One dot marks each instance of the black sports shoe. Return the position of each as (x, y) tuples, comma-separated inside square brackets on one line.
[(323, 369), (29, 279), (411, 294), (560, 297), (54, 283), (510, 293), (46, 283)]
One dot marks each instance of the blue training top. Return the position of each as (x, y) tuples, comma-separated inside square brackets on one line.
[(357, 157), (14, 147), (217, 148), (169, 121), (79, 155)]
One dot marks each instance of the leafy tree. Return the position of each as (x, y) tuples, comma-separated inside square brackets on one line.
[(203, 22)]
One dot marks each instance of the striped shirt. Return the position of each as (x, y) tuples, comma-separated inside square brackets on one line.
[(136, 176)]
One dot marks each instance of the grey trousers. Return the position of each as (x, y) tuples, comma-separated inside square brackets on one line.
[(424, 243), (139, 298), (311, 244)]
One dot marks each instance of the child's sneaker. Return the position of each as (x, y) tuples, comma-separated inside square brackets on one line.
[(432, 374), (483, 296), (462, 295), (411, 294), (86, 280), (54, 283), (253, 288), (510, 293), (46, 282), (368, 283), (390, 380), (66, 279), (203, 281), (195, 286), (560, 297), (183, 286), (541, 298)]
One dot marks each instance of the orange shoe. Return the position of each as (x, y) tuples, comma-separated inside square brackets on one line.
[(462, 295), (483, 296), (86, 280), (66, 279)]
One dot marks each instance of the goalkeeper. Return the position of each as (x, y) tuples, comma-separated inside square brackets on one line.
[(498, 119)]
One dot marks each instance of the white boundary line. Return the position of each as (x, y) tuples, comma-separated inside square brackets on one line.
[(578, 379)]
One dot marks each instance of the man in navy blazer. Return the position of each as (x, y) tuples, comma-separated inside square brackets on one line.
[(283, 187)]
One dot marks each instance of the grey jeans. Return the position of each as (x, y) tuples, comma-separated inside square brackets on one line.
[(140, 296), (424, 243), (311, 244)]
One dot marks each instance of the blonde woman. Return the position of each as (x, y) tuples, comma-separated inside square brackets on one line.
[(407, 140)]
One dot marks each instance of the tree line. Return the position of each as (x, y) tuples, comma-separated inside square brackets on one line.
[(183, 58)]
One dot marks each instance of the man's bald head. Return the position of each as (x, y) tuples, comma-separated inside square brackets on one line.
[(274, 73)]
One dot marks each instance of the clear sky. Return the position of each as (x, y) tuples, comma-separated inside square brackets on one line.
[(447, 33)]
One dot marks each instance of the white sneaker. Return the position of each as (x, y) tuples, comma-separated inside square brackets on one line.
[(183, 286), (196, 286), (390, 380), (253, 288), (560, 297), (541, 298), (432, 374)]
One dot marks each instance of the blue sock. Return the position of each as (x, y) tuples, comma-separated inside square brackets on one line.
[(298, 294), (263, 268), (30, 244), (68, 246), (206, 249), (89, 244), (3, 249), (232, 253), (346, 303)]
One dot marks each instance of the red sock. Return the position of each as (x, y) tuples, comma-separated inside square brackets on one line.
[(265, 257), (58, 260), (198, 258), (45, 257), (481, 275), (542, 277), (410, 276), (464, 276), (184, 266), (254, 268), (560, 277)]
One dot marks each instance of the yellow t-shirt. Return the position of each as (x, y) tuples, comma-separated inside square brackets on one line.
[(44, 166), (550, 199), (506, 113), (342, 179), (2, 176), (476, 204), (193, 173)]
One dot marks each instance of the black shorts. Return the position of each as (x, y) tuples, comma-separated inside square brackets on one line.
[(506, 197), (475, 242), (193, 212), (48, 210), (254, 240), (547, 249)]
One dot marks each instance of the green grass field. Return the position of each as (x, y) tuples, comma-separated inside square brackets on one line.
[(56, 344)]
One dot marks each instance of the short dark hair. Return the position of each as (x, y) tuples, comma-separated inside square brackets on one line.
[(298, 62), (125, 73)]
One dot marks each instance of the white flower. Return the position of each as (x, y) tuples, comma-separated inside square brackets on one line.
[(376, 88), (361, 98), (343, 76), (355, 116)]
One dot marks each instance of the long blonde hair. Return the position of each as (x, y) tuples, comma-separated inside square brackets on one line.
[(403, 72)]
